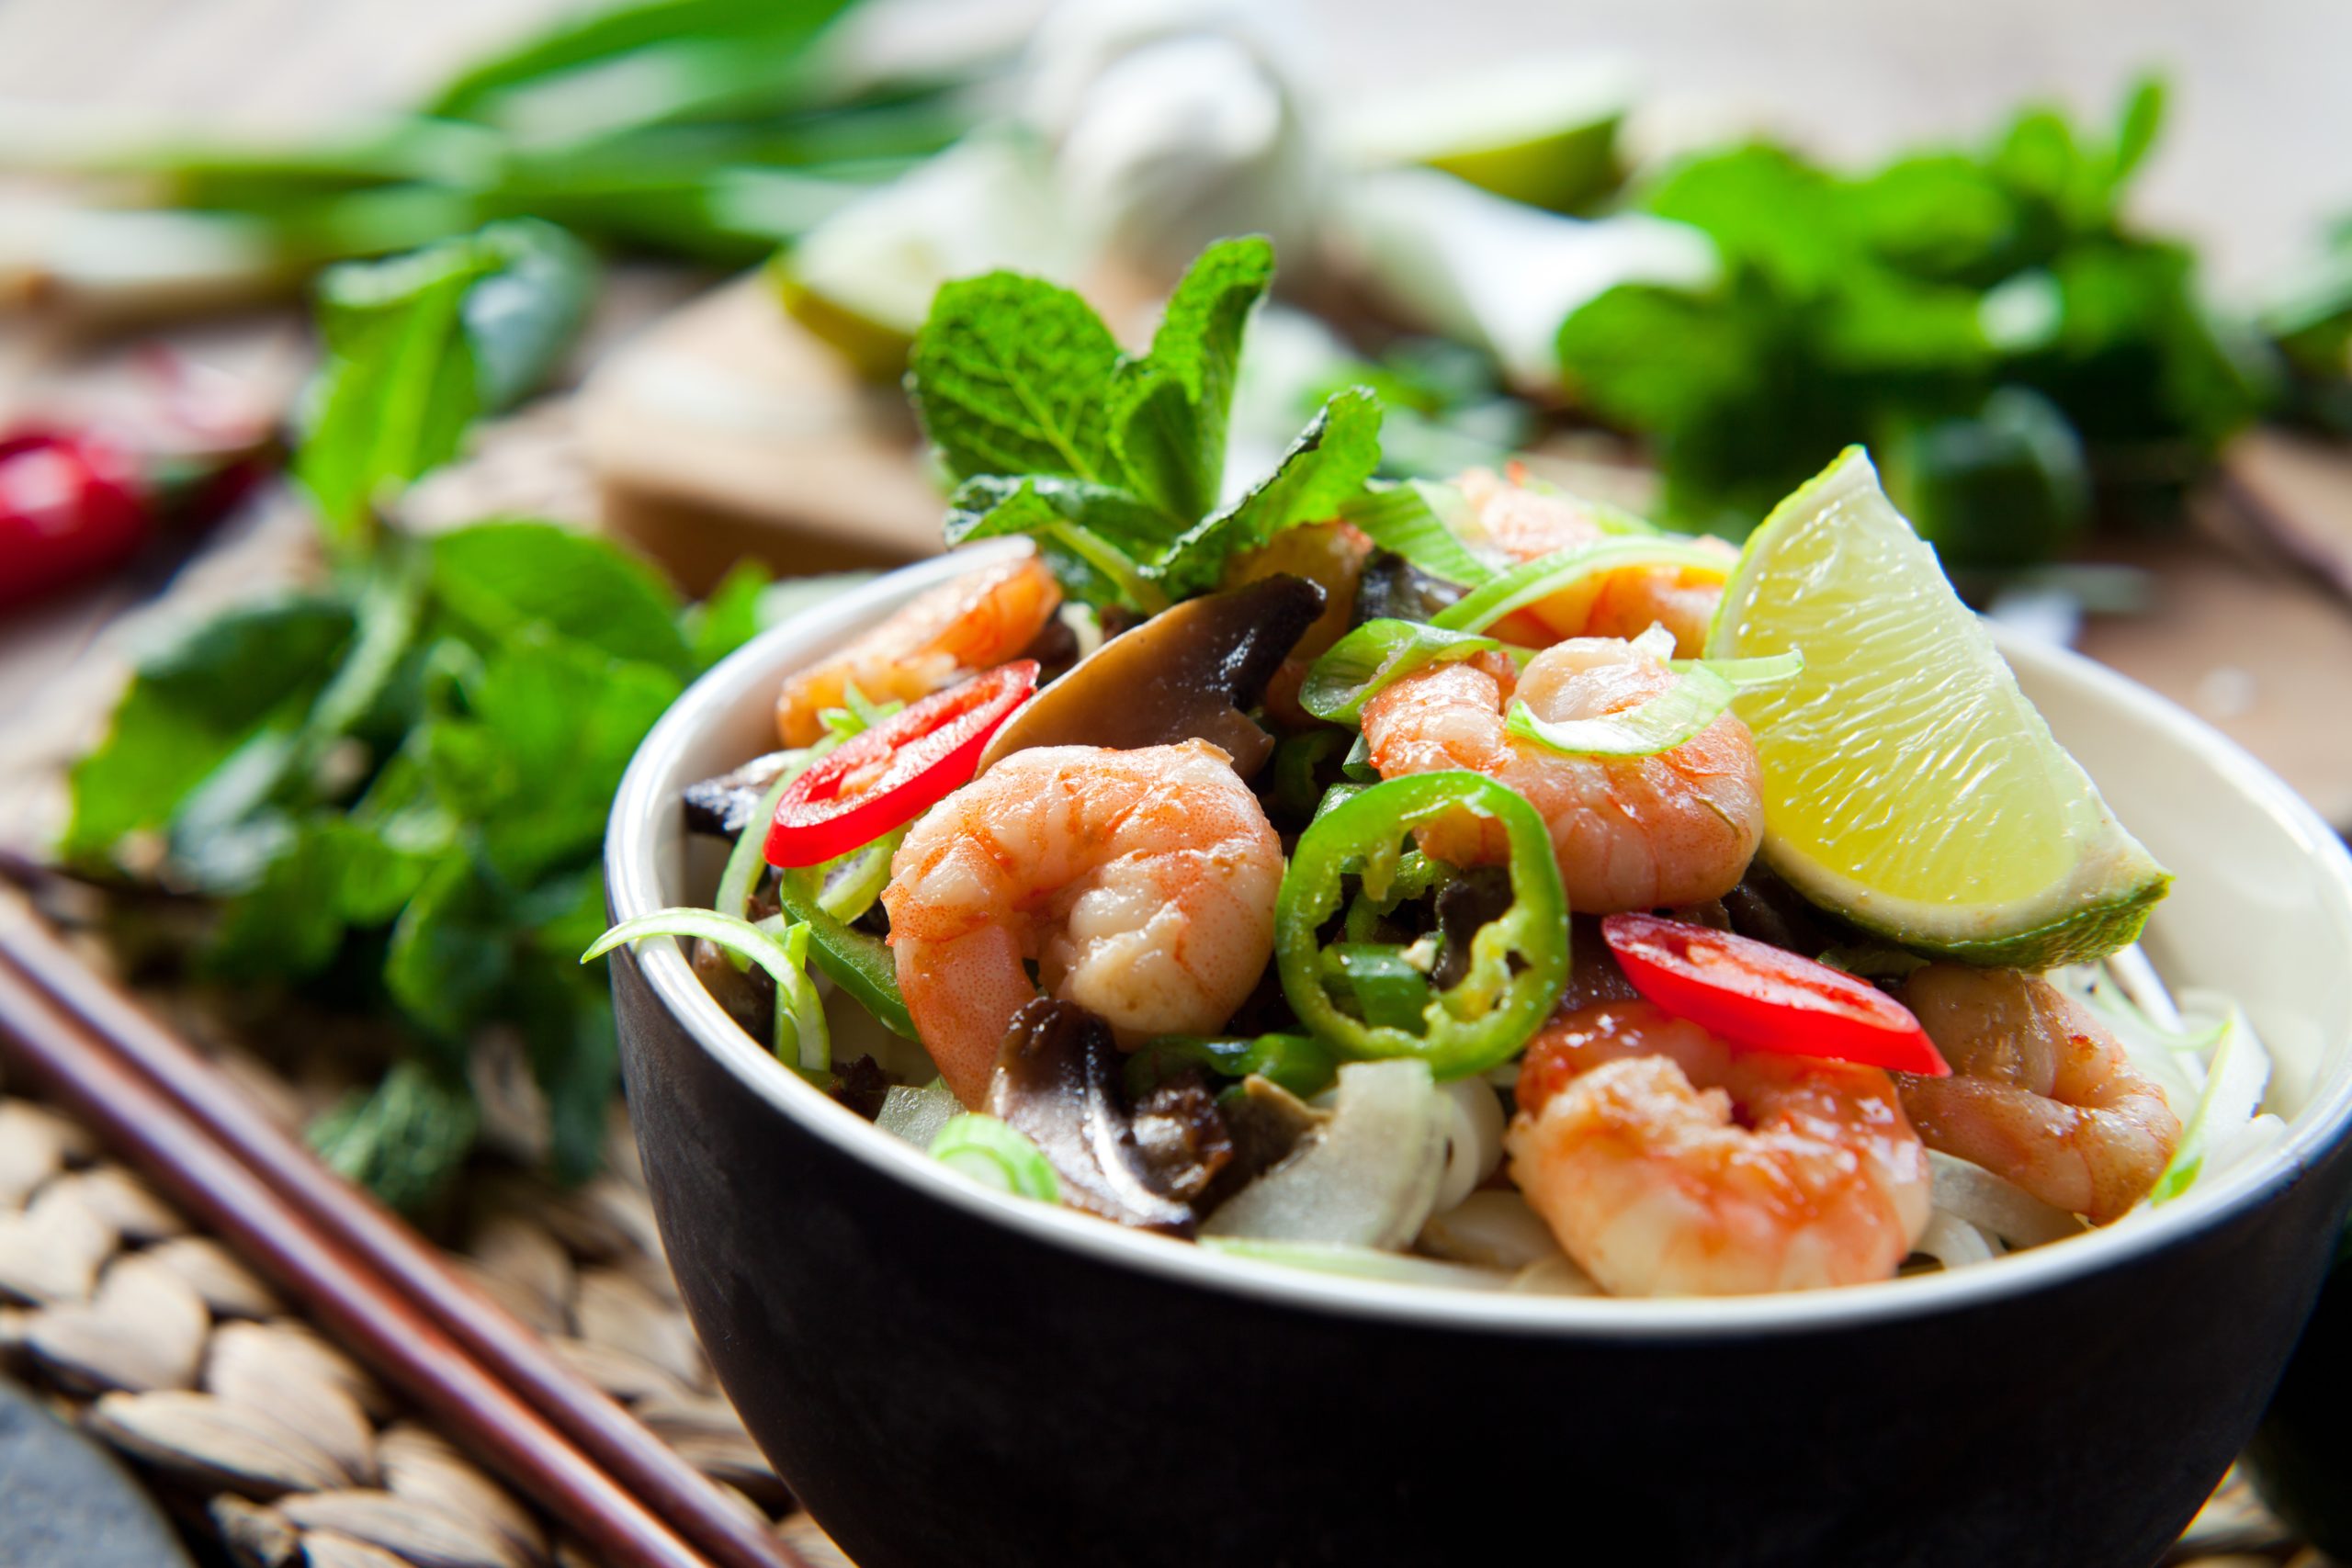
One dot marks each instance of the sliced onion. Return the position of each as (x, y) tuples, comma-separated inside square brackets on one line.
[(1556, 1276), (1994, 1204), (2235, 1081), (916, 1115), (1367, 1177), (1473, 1139)]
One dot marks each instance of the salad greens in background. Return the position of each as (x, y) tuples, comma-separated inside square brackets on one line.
[(395, 783)]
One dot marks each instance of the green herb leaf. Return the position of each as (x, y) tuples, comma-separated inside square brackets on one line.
[(522, 315), (1326, 468), (1009, 376), (1168, 412), (400, 384), (1374, 657), (404, 1140), (191, 706), (1087, 533), (498, 580), (1419, 521), (729, 618)]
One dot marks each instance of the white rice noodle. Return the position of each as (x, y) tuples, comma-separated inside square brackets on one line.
[(1491, 1228), (1556, 1276), (1473, 1139), (1954, 1242), (1992, 1203)]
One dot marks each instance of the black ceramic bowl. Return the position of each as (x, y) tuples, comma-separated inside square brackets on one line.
[(946, 1375)]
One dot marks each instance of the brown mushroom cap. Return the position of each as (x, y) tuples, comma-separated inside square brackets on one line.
[(1185, 674), (1057, 1082)]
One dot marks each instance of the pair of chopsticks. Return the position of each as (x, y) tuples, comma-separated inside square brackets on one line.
[(362, 1272)]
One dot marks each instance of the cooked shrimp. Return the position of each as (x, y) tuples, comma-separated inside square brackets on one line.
[(2040, 1092), (1631, 832), (1141, 883), (974, 623), (1525, 523), (1667, 1163)]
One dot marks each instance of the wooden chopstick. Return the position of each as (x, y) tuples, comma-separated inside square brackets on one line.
[(88, 1031), (400, 1343)]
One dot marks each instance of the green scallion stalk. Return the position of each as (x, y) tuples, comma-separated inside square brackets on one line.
[(1414, 519), (803, 1041), (1701, 695), (992, 1154), (1533, 581), (1376, 656)]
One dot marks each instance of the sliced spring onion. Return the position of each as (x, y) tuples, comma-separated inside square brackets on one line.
[(851, 884), (1299, 1063), (748, 859), (803, 1041), (1533, 581), (1700, 695), (2235, 1081), (995, 1155), (1360, 1263), (1421, 520), (858, 963), (1374, 657), (1994, 1204)]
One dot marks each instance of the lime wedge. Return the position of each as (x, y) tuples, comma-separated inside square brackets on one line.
[(863, 280), (1543, 132), (1909, 784)]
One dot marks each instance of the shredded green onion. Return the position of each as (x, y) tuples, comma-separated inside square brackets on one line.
[(1376, 656), (803, 1041), (1533, 581), (1702, 692), (2235, 1080), (995, 1155), (1419, 520), (748, 858)]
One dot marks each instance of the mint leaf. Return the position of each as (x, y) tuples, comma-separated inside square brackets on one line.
[(498, 580), (450, 952), (418, 345), (401, 385), (404, 1140), (729, 618), (1089, 533), (191, 706), (535, 762), (1008, 376), (1169, 411), (1324, 468)]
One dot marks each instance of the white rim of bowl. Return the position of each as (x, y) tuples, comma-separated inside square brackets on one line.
[(634, 882)]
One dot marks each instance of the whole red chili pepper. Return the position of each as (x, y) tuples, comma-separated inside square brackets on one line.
[(72, 506)]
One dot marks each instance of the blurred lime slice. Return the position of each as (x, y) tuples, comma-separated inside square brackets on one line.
[(863, 280), (1543, 132), (1909, 784)]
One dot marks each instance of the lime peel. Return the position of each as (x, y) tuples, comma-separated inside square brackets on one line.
[(1909, 785)]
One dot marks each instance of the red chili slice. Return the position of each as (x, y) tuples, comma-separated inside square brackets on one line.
[(1755, 995), (893, 773)]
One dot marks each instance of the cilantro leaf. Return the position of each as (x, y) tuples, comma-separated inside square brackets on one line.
[(1007, 376), (1169, 411)]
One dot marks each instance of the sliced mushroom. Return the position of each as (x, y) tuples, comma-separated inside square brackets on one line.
[(1185, 674), (723, 805), (1057, 1080), (1265, 1122)]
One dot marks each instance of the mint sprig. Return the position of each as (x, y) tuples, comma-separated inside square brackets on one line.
[(1114, 463)]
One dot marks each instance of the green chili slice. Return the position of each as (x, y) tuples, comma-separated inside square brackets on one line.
[(858, 963), (1519, 962), (1300, 1063)]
